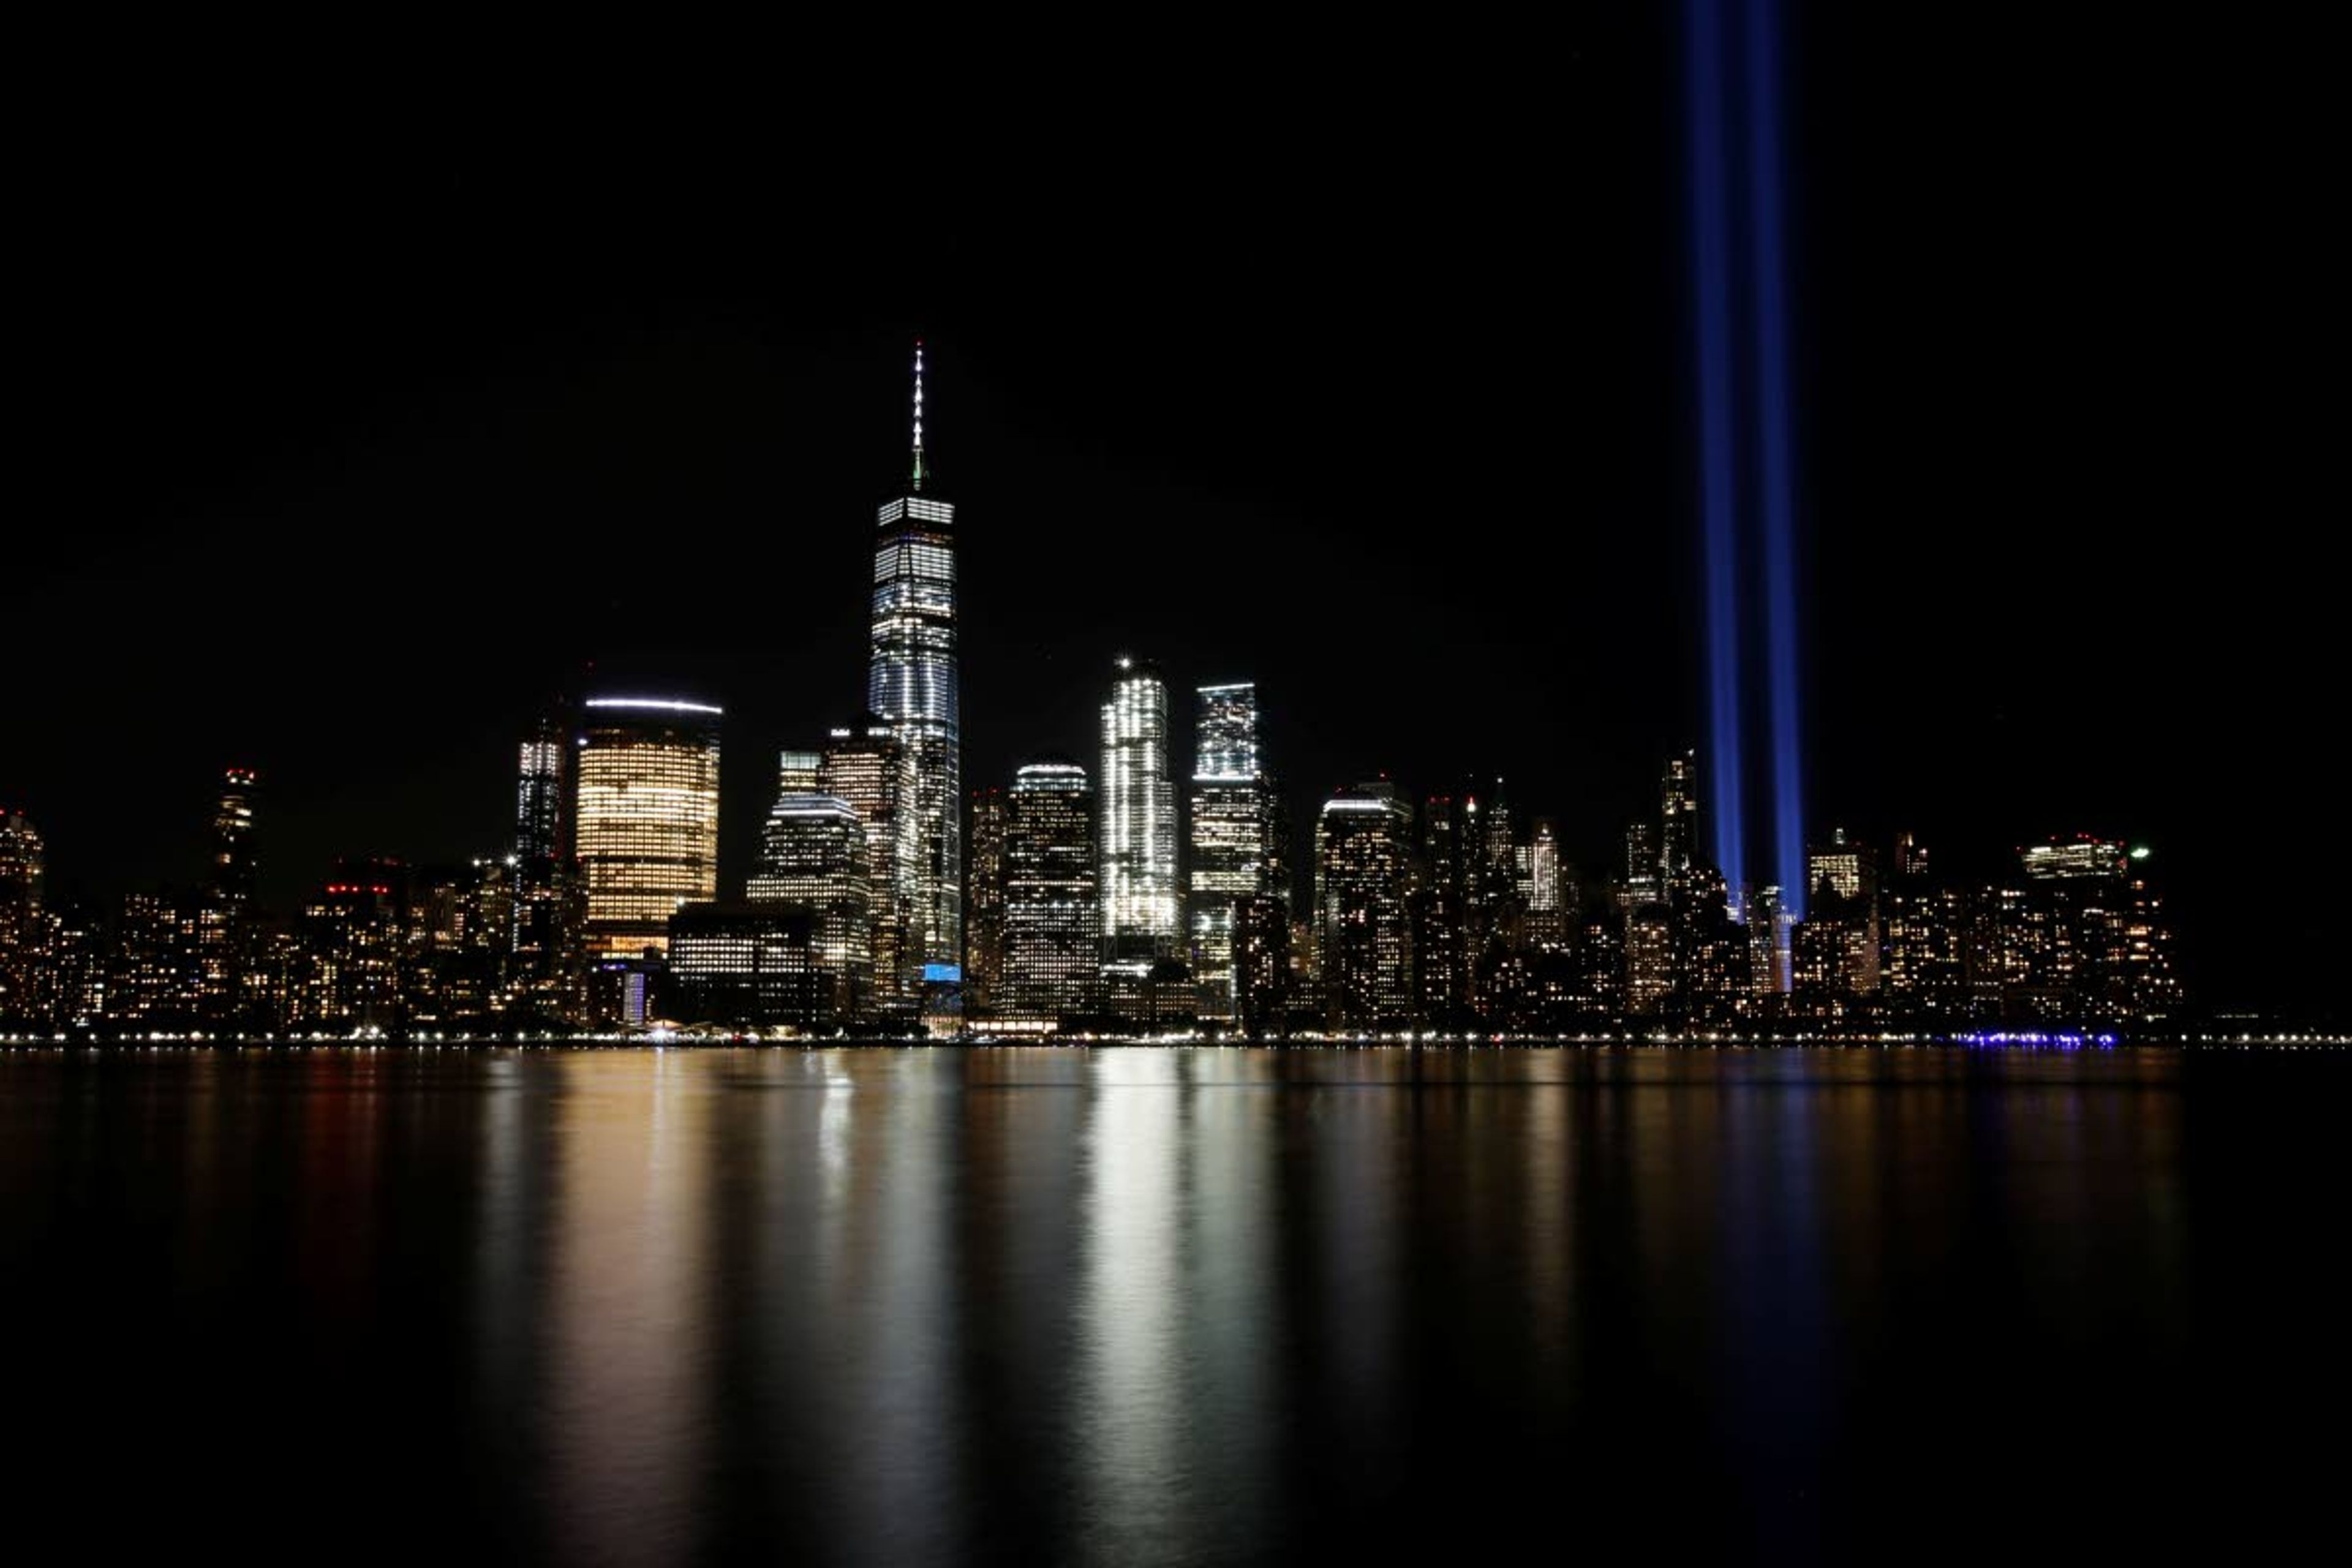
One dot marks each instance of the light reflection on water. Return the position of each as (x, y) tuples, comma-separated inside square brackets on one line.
[(1136, 1306)]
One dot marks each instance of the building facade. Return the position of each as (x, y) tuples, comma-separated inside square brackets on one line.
[(1052, 913), (1235, 839), (1141, 909), (911, 687), (647, 819), (1363, 870)]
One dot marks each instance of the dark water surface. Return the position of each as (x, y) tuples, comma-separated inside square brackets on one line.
[(1143, 1306)]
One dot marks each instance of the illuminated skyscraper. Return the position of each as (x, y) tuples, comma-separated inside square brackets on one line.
[(233, 857), (23, 927), (910, 684), (1363, 868), (1141, 915), (872, 769), (1444, 945), (1236, 842), (1642, 884), (1678, 819), (1851, 871), (814, 858), (225, 912), (646, 817), (546, 901), (1550, 899), (1053, 916), (984, 902)]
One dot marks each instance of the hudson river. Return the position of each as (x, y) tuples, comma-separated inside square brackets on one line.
[(1141, 1306)]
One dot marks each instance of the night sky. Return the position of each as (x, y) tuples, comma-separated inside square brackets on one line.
[(1363, 372)]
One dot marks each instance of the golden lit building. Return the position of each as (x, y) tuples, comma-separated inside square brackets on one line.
[(646, 820)]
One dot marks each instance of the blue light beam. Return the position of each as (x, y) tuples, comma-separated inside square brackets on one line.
[(1718, 500), (1774, 466)]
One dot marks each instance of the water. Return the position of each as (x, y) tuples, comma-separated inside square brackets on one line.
[(1145, 1306)]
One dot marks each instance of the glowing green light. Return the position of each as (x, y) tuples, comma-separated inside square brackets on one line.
[(2139, 852)]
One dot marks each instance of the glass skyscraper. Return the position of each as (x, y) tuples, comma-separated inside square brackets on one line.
[(1140, 916), (1235, 839), (1052, 943), (647, 819), (910, 685), (871, 769), (1364, 866)]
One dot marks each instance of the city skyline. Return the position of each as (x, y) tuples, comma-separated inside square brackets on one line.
[(1442, 909), (412, 488)]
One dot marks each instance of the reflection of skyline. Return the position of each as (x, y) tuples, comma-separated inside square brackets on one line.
[(883, 1306)]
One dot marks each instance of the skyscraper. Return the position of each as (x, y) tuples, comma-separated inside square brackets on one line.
[(871, 769), (1444, 942), (23, 927), (1678, 819), (1235, 839), (910, 685), (1363, 863), (1053, 917), (224, 914), (546, 883), (984, 902), (1550, 899), (233, 856), (646, 817), (1141, 918), (813, 859)]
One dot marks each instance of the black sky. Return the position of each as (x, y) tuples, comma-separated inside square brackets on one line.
[(1361, 372)]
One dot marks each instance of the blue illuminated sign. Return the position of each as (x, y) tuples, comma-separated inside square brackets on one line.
[(949, 973)]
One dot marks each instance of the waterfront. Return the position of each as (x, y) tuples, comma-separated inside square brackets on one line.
[(1212, 1305)]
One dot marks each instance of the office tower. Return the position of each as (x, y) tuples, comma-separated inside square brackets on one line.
[(646, 819), (350, 935), (224, 912), (23, 925), (1140, 920), (815, 858), (1052, 914), (1678, 819), (1261, 970), (870, 768), (1851, 871), (1452, 859), (233, 863), (1363, 868), (1770, 930), (1642, 884), (1235, 839), (751, 963), (2082, 939), (1649, 960), (1550, 898), (546, 894), (910, 685), (983, 902)]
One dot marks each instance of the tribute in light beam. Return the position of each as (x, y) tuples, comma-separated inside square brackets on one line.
[(1710, 221)]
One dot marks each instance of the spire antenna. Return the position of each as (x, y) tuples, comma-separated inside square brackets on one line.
[(919, 467)]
